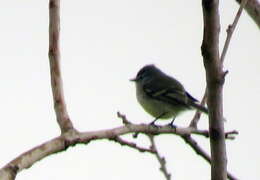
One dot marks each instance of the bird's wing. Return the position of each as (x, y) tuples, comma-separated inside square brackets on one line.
[(172, 94)]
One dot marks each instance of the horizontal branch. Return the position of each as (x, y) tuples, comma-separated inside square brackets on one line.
[(73, 137)]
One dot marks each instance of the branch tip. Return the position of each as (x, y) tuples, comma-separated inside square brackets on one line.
[(160, 159), (226, 72), (123, 117)]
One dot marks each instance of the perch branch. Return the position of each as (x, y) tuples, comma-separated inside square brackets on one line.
[(71, 138), (178, 130)]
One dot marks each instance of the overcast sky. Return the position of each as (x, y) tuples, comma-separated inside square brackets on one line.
[(103, 45)]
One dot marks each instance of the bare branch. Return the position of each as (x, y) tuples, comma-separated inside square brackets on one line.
[(71, 138), (231, 29), (194, 145), (131, 145), (8, 173), (156, 130), (196, 117), (123, 117), (215, 81), (253, 9), (230, 134), (159, 158), (54, 59)]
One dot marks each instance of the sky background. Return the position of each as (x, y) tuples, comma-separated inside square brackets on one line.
[(103, 45)]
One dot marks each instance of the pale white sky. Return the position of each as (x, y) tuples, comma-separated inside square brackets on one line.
[(103, 45)]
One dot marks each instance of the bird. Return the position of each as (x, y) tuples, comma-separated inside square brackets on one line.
[(161, 95)]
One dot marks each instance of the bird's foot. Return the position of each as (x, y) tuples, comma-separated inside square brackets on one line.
[(171, 124), (135, 135), (153, 124)]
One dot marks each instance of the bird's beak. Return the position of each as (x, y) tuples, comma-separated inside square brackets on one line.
[(134, 79)]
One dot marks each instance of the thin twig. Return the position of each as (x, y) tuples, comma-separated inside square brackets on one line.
[(231, 134), (161, 159), (131, 145), (123, 117), (199, 150), (196, 117), (253, 10), (54, 59), (231, 29)]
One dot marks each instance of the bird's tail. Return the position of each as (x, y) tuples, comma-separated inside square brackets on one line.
[(199, 107)]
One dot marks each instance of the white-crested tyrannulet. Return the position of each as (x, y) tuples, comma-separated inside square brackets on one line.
[(162, 96)]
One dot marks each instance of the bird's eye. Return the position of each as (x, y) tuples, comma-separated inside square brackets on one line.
[(142, 76)]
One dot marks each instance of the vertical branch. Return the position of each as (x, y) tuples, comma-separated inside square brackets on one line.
[(215, 80), (230, 31), (54, 58)]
